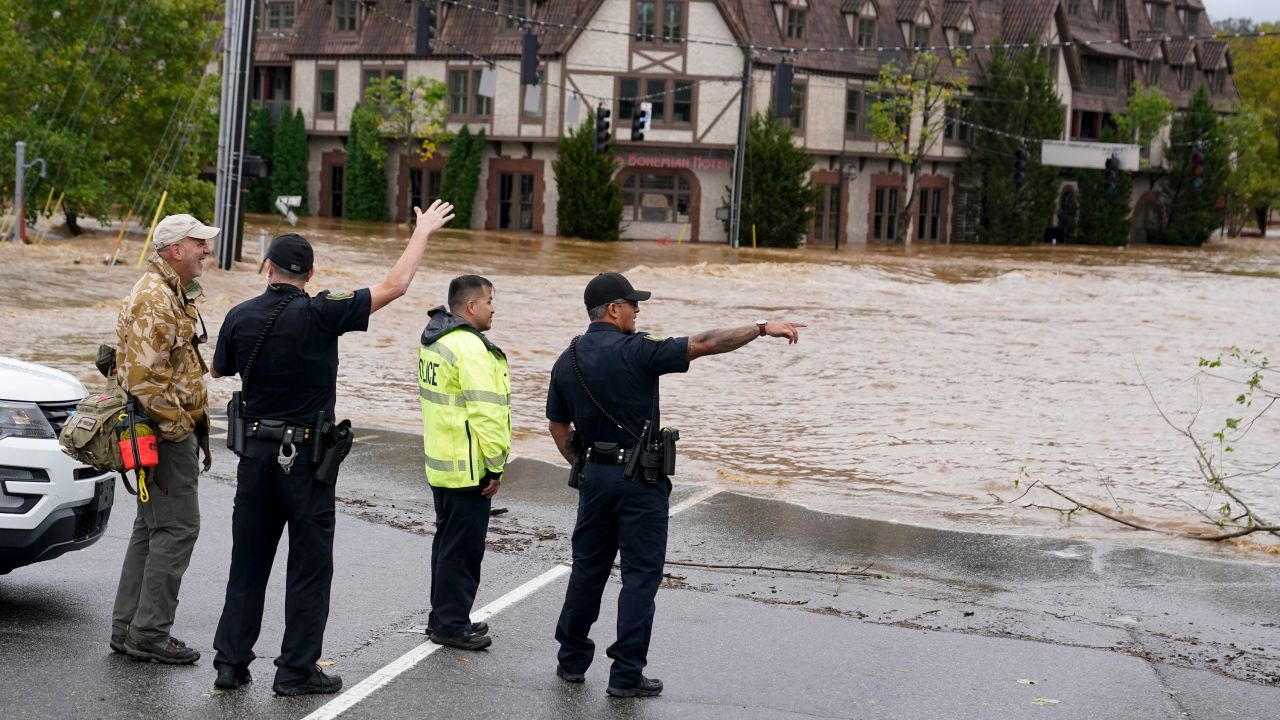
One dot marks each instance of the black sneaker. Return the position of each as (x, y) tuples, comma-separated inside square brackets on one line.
[(480, 628), (231, 677), (572, 677), (170, 651), (317, 684), (463, 641), (648, 687)]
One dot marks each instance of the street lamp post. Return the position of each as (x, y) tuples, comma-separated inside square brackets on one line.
[(19, 189)]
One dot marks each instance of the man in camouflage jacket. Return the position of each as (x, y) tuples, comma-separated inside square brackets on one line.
[(158, 331)]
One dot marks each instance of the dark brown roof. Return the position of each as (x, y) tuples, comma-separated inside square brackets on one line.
[(1092, 41), (851, 6), (1211, 53), (953, 12), (908, 9), (1026, 20), (1150, 42), (1178, 52)]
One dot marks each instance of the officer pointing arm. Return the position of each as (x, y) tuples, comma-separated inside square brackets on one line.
[(709, 342)]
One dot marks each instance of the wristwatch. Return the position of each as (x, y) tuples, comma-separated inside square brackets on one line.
[(760, 326)]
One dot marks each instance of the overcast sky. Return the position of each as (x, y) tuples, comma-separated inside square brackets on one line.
[(1252, 9)]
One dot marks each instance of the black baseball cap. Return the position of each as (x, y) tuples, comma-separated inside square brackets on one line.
[(610, 286), (291, 252)]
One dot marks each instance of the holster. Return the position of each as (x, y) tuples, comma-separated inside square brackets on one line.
[(578, 466), (235, 424), (337, 444)]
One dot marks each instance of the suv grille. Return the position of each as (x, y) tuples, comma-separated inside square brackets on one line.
[(57, 413)]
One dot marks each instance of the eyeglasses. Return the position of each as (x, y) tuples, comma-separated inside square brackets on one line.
[(634, 305)]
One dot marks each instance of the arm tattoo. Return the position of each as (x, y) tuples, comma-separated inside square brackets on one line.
[(723, 340)]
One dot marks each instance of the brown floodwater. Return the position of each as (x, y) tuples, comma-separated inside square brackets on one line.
[(928, 381)]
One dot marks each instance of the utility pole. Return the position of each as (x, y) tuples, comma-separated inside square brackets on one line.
[(19, 190), (739, 154), (237, 67)]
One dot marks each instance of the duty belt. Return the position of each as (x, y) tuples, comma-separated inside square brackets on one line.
[(607, 453), (280, 431)]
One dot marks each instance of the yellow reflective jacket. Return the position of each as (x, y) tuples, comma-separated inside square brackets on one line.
[(465, 389)]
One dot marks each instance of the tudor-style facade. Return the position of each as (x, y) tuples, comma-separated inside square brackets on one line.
[(318, 56)]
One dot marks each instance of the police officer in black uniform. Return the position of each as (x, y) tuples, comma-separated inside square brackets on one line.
[(284, 345), (602, 403)]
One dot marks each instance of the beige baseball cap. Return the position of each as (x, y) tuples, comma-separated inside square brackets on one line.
[(175, 227)]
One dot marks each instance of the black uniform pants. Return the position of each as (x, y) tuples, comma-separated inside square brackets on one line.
[(266, 500), (614, 515), (462, 521)]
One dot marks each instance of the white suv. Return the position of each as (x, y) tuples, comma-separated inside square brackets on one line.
[(49, 503)]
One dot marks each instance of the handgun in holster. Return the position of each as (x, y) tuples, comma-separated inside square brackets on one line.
[(634, 456), (235, 424), (579, 463)]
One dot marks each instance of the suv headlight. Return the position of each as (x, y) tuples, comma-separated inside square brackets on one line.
[(19, 419)]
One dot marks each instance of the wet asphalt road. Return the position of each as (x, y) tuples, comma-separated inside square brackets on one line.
[(947, 625)]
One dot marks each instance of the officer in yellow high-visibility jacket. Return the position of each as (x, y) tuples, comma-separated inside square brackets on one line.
[(466, 426)]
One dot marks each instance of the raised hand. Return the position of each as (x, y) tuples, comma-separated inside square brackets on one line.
[(433, 218)]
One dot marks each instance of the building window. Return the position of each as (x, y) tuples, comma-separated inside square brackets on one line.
[(1153, 74), (424, 186), (512, 11), (1157, 17), (1218, 81), (929, 224), (515, 201), (672, 99), (1107, 10), (1188, 76), (655, 197), (795, 24), (465, 100), (866, 32), (345, 15), (1073, 7), (797, 107), (279, 16), (921, 38), (646, 20), (1099, 72), (370, 74), (966, 40), (884, 219), (535, 113), (328, 86), (954, 128), (854, 117), (1192, 20)]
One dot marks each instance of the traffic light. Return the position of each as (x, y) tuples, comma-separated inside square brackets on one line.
[(1197, 169), (641, 114), (1110, 175), (424, 38), (1020, 166), (529, 60), (603, 135), (782, 74)]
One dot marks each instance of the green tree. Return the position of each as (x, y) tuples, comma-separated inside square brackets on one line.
[(461, 179), (104, 92), (1254, 62), (365, 193), (777, 195), (1104, 217), (414, 113), (1191, 213), (590, 204), (1018, 100), (289, 158), (261, 142), (925, 88), (1253, 186), (1146, 114)]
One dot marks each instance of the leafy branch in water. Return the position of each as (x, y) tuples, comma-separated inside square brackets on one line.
[(1234, 517)]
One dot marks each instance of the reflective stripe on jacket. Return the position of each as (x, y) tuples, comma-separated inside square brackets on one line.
[(465, 391)]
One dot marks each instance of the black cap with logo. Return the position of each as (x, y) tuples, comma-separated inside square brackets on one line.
[(610, 286), (291, 252)]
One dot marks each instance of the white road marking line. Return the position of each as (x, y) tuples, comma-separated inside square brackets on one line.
[(363, 438), (400, 665)]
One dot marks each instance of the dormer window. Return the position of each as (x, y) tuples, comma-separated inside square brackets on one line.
[(862, 22), (1153, 73), (795, 23), (649, 13), (512, 11), (1073, 7), (1157, 16), (278, 16), (961, 34), (1106, 10), (1188, 76), (1190, 19), (346, 16), (920, 31)]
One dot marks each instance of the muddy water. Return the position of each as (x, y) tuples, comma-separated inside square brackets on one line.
[(928, 381)]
